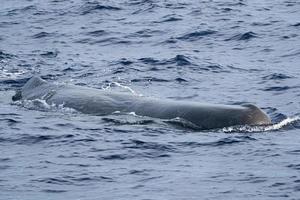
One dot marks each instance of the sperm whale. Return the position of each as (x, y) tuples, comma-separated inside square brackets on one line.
[(100, 102)]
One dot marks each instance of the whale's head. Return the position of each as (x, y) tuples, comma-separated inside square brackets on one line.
[(255, 116), (30, 86)]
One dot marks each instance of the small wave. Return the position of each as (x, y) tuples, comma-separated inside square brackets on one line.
[(97, 33), (243, 36), (10, 76), (289, 36), (21, 10), (154, 79), (42, 35), (80, 180), (4, 55), (33, 139), (27, 139), (149, 79), (261, 24), (124, 62), (84, 41), (10, 121), (84, 75), (211, 67), (54, 191), (145, 33), (294, 166), (239, 69), (280, 88), (169, 18), (296, 24), (273, 127), (91, 7), (70, 69), (50, 76), (150, 61), (106, 41), (151, 155), (169, 41), (179, 60), (139, 144), (180, 80), (176, 5), (49, 54), (232, 3), (5, 159), (276, 76), (7, 24), (58, 181), (140, 2), (217, 143), (148, 7), (291, 54), (196, 35), (226, 9), (124, 69)]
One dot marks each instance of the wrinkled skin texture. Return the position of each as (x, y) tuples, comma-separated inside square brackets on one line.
[(99, 102)]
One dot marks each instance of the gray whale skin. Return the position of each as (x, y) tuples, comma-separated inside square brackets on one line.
[(99, 102)]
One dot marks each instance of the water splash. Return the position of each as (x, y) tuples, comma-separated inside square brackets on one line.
[(127, 88), (274, 127), (4, 73), (182, 123), (42, 105)]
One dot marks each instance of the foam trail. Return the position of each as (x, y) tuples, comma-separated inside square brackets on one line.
[(283, 123), (272, 127)]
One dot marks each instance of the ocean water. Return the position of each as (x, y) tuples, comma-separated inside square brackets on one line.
[(216, 51)]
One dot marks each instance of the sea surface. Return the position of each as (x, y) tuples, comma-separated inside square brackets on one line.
[(215, 51)]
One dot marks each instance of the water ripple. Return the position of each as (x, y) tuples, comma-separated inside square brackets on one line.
[(196, 35), (280, 88), (243, 36), (139, 144), (276, 76), (218, 143), (91, 7), (43, 35), (97, 33)]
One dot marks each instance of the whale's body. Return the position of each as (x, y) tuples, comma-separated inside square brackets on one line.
[(101, 102)]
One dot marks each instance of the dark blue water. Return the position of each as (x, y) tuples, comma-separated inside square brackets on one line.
[(228, 52)]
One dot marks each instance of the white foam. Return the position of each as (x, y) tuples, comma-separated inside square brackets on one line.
[(127, 88), (4, 73), (42, 105), (132, 113), (272, 127)]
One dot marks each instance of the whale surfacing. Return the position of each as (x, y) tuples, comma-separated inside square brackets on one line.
[(99, 102)]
